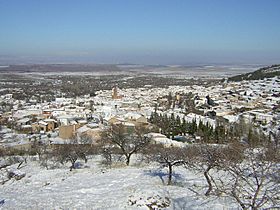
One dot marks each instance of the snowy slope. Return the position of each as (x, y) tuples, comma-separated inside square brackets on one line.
[(99, 188), (262, 73)]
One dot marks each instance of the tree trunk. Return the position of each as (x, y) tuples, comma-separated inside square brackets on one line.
[(20, 164), (210, 187), (169, 174), (73, 164), (128, 159), (85, 158), (239, 201)]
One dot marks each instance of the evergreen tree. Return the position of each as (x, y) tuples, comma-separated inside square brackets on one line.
[(178, 121), (152, 118), (183, 126), (192, 128)]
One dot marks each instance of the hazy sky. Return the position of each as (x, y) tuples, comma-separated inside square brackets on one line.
[(140, 31)]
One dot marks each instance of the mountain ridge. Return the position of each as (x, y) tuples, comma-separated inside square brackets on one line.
[(262, 73)]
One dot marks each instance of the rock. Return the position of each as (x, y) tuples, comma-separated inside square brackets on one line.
[(16, 174)]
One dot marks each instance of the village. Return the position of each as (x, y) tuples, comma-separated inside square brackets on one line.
[(58, 121)]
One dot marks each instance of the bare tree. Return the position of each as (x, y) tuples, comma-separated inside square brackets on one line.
[(2, 155), (46, 158), (206, 158), (167, 157), (38, 148), (276, 138), (254, 183), (107, 152), (72, 151), (127, 141), (66, 153), (1, 134), (85, 147)]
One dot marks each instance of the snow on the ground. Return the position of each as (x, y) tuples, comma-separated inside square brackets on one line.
[(95, 187)]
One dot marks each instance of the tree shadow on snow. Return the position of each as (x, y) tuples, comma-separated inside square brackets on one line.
[(80, 165), (2, 202), (176, 178), (190, 202), (185, 203)]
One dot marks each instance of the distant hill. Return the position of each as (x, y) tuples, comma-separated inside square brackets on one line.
[(265, 72)]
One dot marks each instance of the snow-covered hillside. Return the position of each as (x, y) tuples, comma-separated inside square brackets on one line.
[(95, 187), (262, 73)]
